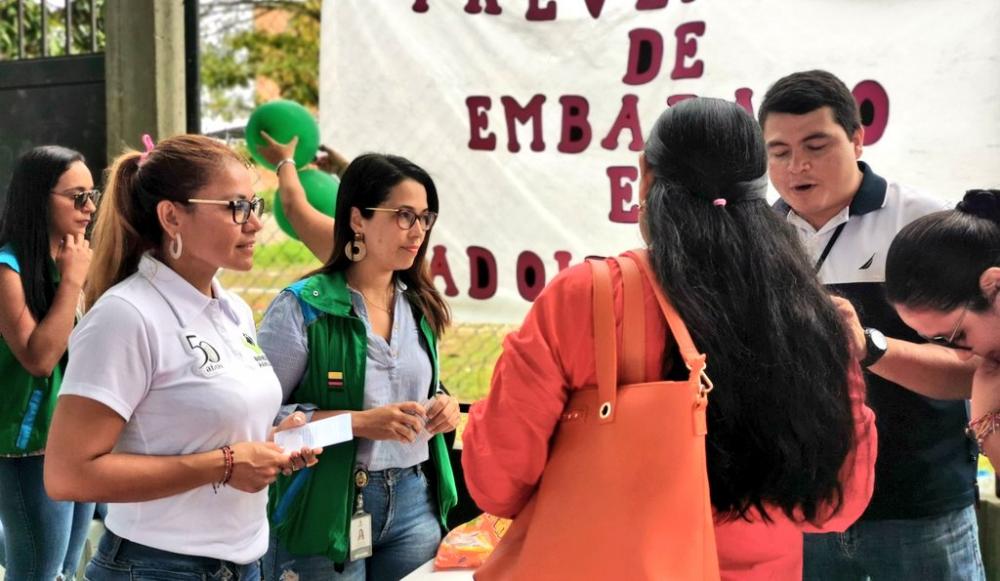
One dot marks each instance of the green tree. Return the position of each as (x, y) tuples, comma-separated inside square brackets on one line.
[(55, 29), (240, 55)]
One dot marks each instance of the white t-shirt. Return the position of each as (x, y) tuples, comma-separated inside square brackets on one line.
[(185, 373)]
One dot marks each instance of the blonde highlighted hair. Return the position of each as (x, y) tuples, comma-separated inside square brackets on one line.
[(127, 225)]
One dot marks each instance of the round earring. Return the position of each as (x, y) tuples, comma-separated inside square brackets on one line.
[(176, 246), (356, 249)]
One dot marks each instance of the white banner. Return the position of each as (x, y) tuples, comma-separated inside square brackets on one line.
[(530, 114)]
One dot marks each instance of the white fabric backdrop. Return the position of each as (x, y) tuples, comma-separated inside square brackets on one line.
[(397, 80)]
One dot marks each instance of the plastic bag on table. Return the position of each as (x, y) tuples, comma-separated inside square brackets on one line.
[(468, 545)]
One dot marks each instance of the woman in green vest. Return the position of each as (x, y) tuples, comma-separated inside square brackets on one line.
[(359, 336), (44, 258)]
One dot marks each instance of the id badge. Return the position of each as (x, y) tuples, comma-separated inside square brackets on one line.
[(361, 536)]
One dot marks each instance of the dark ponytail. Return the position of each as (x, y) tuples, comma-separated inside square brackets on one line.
[(780, 422)]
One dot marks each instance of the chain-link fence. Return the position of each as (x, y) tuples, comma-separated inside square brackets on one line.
[(468, 351)]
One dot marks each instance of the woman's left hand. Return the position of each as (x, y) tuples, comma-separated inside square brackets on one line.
[(443, 414), (298, 459)]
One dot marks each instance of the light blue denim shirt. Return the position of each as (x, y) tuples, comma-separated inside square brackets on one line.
[(397, 370)]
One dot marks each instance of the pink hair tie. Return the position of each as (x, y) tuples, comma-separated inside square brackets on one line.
[(720, 202), (147, 141)]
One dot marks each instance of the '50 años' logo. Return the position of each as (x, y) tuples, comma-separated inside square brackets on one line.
[(208, 359)]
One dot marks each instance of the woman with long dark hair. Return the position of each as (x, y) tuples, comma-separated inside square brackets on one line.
[(790, 444), (943, 277), (360, 336), (44, 258)]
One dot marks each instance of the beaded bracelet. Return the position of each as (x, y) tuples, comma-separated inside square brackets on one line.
[(984, 426), (227, 454)]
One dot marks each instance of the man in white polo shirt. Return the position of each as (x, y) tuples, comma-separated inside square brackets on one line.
[(921, 523)]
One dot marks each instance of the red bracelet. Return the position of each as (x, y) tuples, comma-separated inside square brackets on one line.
[(985, 425), (229, 465), (227, 454)]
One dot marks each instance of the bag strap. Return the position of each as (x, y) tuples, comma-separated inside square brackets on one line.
[(633, 266), (694, 360), (605, 348), (633, 355)]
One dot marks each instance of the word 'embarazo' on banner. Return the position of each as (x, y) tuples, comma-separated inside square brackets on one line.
[(577, 130)]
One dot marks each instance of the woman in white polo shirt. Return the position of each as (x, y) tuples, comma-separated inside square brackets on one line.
[(167, 400)]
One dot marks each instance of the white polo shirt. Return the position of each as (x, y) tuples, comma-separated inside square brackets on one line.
[(926, 465), (878, 211), (185, 372)]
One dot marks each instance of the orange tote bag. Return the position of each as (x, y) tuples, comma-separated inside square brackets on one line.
[(624, 494)]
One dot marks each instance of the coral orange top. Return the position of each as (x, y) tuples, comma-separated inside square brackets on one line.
[(506, 442)]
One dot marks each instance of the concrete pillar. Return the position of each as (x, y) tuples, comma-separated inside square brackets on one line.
[(144, 71)]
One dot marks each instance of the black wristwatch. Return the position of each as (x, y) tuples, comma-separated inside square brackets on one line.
[(875, 346)]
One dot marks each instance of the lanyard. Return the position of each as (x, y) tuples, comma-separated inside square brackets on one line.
[(829, 246)]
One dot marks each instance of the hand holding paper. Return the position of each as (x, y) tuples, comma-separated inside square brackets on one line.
[(318, 434)]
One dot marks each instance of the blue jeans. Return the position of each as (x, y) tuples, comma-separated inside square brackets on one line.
[(119, 559), (942, 548), (43, 538), (404, 524)]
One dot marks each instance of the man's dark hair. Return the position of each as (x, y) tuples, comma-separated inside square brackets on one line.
[(804, 92)]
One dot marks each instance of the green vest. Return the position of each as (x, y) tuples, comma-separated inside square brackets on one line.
[(26, 401), (311, 510)]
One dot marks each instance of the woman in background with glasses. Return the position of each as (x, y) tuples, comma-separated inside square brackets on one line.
[(44, 258), (359, 336), (167, 402), (943, 277)]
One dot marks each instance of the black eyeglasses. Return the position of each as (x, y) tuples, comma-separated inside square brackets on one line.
[(241, 208), (949, 341), (406, 217), (80, 199)]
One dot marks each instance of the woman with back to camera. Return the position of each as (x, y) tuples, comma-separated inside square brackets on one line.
[(44, 258), (790, 444)]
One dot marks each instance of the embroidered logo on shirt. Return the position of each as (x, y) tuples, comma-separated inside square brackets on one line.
[(868, 264), (208, 360), (258, 353), (335, 380)]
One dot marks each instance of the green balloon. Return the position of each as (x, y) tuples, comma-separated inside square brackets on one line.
[(283, 120), (321, 192)]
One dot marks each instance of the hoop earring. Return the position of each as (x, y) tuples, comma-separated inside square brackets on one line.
[(356, 249), (176, 246)]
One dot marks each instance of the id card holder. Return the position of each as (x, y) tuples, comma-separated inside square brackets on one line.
[(361, 536), (361, 522)]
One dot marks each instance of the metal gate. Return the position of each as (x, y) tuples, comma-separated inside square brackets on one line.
[(52, 81)]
